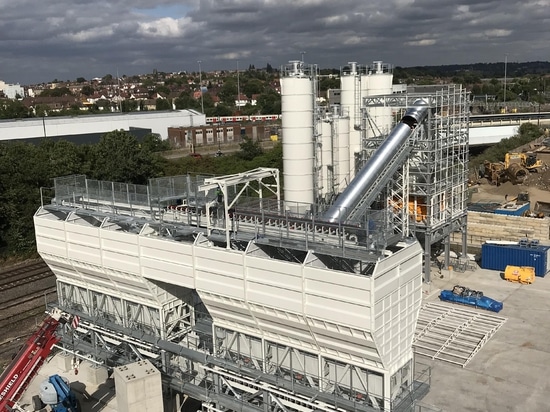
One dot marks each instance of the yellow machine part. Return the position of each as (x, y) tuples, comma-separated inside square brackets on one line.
[(416, 206), (418, 209), (520, 274)]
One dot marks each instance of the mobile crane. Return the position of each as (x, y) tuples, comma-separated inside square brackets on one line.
[(29, 359)]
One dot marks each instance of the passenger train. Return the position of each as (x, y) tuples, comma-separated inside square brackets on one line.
[(235, 119)]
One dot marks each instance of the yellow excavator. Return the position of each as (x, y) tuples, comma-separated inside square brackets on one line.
[(514, 168)]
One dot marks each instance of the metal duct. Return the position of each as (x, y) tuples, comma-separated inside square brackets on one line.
[(377, 166)]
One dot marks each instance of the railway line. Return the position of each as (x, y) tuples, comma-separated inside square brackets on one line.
[(22, 275), (37, 296), (24, 291)]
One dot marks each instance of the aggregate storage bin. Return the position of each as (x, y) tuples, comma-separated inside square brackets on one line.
[(497, 257), (514, 210)]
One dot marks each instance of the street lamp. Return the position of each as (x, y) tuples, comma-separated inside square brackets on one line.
[(505, 67), (200, 85), (238, 89)]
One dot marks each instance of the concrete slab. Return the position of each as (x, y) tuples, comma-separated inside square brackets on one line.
[(92, 397), (510, 372)]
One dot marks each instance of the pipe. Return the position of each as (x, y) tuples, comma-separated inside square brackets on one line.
[(351, 196)]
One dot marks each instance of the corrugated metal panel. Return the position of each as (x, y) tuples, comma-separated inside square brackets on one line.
[(497, 257)]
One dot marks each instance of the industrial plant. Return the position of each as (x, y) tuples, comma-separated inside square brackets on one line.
[(260, 292)]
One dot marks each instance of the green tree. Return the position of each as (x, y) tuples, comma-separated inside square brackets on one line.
[(329, 83), (153, 143), (228, 91), (120, 157), (165, 91), (253, 86), (87, 90), (221, 110), (41, 110), (186, 101), (24, 168), (57, 92), (13, 109), (129, 105), (249, 149), (269, 102), (163, 104)]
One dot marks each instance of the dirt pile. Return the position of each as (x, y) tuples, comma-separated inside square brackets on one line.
[(540, 180)]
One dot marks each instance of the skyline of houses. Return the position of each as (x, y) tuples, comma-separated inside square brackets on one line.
[(109, 93)]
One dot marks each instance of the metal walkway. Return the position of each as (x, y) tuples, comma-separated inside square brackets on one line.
[(453, 333)]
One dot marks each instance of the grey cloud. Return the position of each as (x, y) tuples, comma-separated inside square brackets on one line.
[(68, 38)]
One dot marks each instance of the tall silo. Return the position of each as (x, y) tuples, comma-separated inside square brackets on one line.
[(326, 177), (350, 101), (341, 136), (297, 108), (378, 81)]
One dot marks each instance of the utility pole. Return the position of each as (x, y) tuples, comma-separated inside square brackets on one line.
[(238, 89), (505, 67), (200, 85)]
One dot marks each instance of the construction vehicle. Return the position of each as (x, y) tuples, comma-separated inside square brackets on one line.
[(56, 393), (29, 359), (519, 274), (516, 167)]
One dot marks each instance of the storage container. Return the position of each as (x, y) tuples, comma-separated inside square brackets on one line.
[(497, 257), (513, 210)]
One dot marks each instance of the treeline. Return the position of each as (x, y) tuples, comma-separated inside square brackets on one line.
[(120, 157), (482, 70)]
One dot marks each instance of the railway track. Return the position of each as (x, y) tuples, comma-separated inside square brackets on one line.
[(24, 274), (23, 290), (37, 296)]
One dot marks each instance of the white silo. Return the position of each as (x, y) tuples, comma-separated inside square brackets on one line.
[(297, 103), (327, 161), (378, 81), (341, 137), (351, 93)]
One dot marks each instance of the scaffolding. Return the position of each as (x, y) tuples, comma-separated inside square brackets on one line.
[(428, 195)]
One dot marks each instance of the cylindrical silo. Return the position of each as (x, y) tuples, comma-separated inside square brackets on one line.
[(327, 160), (350, 100), (379, 82), (341, 136), (297, 101)]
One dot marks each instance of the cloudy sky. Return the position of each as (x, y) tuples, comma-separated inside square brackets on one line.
[(66, 39)]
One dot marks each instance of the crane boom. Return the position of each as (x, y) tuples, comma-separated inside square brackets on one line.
[(28, 360)]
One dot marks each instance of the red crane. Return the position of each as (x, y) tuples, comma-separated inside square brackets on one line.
[(28, 360)]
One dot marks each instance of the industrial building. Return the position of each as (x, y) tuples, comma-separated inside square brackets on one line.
[(88, 128), (210, 135), (252, 297)]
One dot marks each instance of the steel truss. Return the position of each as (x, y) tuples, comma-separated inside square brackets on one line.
[(228, 374), (428, 195), (452, 333), (169, 321)]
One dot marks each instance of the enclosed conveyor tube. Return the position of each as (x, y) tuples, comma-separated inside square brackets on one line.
[(362, 188)]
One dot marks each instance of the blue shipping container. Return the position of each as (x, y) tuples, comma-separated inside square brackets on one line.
[(497, 257)]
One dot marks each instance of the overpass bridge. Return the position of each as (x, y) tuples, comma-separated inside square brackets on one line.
[(490, 129)]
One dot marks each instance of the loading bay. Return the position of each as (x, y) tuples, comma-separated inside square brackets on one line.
[(509, 371)]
